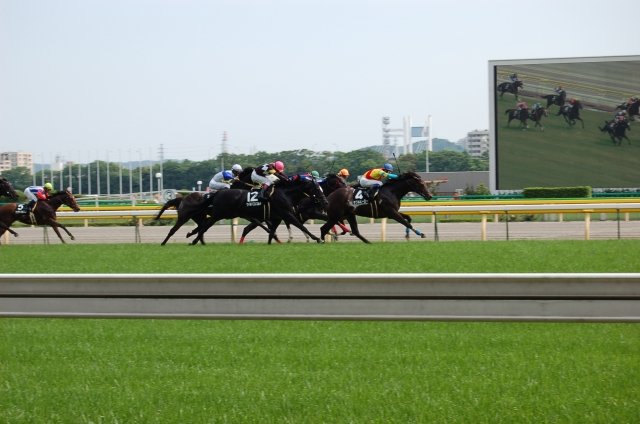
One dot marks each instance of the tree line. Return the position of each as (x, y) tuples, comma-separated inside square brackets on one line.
[(114, 178)]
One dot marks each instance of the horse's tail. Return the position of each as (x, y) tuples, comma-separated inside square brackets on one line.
[(175, 202)]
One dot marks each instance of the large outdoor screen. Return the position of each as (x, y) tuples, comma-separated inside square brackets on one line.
[(565, 122)]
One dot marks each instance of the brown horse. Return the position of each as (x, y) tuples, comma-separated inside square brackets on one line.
[(44, 213), (344, 203)]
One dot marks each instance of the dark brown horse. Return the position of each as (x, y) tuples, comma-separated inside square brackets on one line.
[(617, 131), (6, 189), (343, 204), (571, 113), (43, 213), (195, 206), (520, 115), (510, 87), (537, 115), (227, 204), (310, 208)]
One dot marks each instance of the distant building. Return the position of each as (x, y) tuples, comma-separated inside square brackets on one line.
[(10, 160), (476, 142)]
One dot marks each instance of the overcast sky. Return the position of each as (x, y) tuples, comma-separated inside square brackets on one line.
[(115, 79)]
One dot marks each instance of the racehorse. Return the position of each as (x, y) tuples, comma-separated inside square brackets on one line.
[(510, 87), (632, 108), (555, 99), (44, 213), (309, 208), (521, 115), (233, 203), (571, 113), (616, 131), (193, 206), (6, 189), (536, 116), (386, 204)]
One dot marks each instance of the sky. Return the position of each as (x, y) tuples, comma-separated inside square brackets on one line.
[(122, 80)]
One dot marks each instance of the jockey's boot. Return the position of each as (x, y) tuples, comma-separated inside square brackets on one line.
[(29, 206), (264, 193)]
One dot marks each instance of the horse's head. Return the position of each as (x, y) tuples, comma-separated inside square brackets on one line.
[(331, 183), (517, 84), (414, 183), (310, 188), (6, 189), (68, 199)]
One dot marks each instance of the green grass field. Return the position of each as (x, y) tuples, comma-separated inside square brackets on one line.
[(396, 257), (562, 155), (191, 371)]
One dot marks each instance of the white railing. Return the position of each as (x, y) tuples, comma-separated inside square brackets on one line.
[(446, 297), (486, 212)]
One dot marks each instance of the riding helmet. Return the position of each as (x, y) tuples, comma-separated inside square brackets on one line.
[(315, 174), (387, 167), (236, 169), (279, 166), (344, 172), (48, 186)]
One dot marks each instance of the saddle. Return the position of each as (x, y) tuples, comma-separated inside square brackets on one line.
[(23, 210)]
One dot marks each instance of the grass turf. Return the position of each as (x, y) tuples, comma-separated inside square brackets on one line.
[(398, 257)]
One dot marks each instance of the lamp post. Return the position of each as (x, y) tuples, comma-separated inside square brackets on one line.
[(159, 181), (199, 183)]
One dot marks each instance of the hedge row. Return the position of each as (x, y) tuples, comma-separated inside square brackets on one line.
[(556, 192)]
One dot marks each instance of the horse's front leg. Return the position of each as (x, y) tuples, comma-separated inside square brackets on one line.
[(406, 221), (55, 225), (291, 219)]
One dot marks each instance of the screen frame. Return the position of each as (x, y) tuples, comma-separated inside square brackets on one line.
[(493, 67)]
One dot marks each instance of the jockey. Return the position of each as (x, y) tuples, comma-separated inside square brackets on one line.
[(376, 177), (303, 176), (513, 77), (536, 106), (266, 175), (620, 116), (223, 179), (35, 193), (559, 90), (522, 106)]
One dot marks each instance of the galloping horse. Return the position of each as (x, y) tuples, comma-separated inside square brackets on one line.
[(632, 108), (44, 212), (536, 116), (521, 115), (616, 131), (571, 113), (309, 208), (510, 87), (234, 203), (385, 205), (6, 189), (193, 206), (555, 99)]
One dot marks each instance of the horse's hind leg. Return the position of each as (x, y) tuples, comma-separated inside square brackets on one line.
[(353, 222), (173, 230)]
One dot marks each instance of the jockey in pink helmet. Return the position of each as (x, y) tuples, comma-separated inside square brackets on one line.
[(267, 174)]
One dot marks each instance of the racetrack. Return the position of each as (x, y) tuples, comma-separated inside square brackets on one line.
[(574, 230)]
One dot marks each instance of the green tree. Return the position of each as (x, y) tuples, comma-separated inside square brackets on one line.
[(19, 177)]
